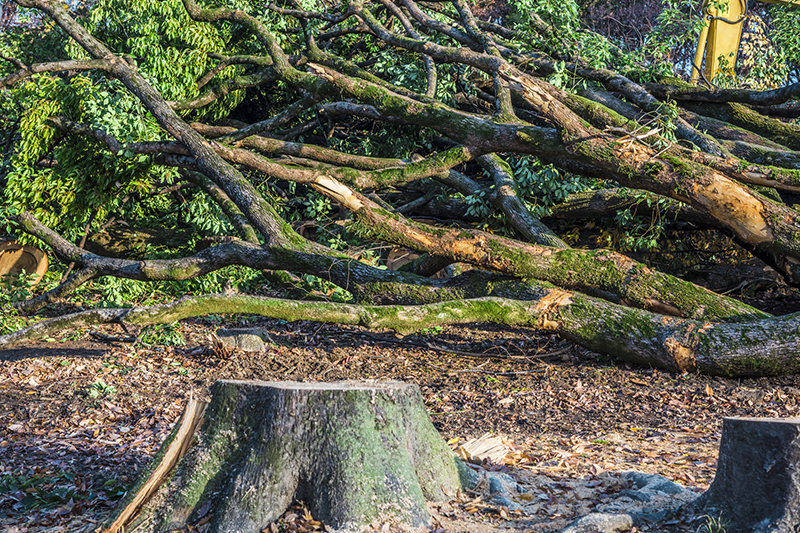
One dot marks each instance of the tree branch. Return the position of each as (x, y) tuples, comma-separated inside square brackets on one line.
[(777, 96), (55, 66)]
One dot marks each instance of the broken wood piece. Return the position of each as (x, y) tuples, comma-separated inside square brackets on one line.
[(171, 452), (16, 258)]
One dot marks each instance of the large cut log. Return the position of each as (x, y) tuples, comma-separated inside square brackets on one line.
[(354, 452), (16, 258), (757, 486)]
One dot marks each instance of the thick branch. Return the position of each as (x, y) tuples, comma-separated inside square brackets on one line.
[(273, 147), (228, 206), (70, 284), (505, 194), (208, 96), (741, 96), (740, 115), (289, 112), (613, 274)]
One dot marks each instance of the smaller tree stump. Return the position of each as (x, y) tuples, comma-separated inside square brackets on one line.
[(757, 485), (354, 452)]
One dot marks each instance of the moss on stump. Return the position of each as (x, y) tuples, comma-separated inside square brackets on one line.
[(352, 451)]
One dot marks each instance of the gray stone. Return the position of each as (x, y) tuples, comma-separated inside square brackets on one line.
[(247, 339), (600, 523), (652, 483), (497, 488)]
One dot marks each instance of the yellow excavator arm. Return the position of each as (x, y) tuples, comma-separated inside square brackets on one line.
[(721, 35)]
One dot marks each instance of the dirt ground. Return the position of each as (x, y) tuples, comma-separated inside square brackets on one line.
[(80, 416)]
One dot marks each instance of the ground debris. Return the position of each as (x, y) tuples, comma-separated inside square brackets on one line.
[(80, 418)]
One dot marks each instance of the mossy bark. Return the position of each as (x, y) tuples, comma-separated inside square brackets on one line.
[(354, 452), (744, 117), (767, 347), (611, 274)]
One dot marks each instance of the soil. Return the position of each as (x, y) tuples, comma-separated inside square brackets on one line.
[(80, 416)]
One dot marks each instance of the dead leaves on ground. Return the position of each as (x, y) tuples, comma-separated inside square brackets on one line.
[(79, 428)]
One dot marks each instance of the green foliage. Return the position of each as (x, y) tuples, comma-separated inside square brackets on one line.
[(391, 140), (99, 389), (41, 492), (539, 186), (401, 68), (566, 39), (163, 334), (49, 45), (636, 233), (14, 288), (543, 186), (562, 15), (171, 52), (479, 205), (314, 286), (785, 24), (46, 492), (87, 177), (17, 287), (121, 292), (170, 48), (677, 29)]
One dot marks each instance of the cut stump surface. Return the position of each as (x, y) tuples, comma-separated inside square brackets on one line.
[(354, 452), (16, 258)]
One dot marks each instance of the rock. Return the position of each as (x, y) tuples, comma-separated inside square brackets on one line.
[(646, 484), (600, 523), (495, 487), (247, 339)]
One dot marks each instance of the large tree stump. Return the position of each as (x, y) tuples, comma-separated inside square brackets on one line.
[(354, 452), (757, 486)]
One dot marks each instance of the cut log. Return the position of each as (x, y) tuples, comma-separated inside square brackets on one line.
[(353, 452), (16, 258), (757, 486)]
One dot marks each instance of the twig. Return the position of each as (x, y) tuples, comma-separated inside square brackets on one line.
[(493, 356), (111, 338), (489, 372), (464, 353)]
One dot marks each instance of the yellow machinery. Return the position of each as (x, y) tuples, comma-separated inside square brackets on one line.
[(721, 35)]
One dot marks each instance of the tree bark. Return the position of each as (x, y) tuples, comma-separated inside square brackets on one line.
[(642, 151), (354, 452), (757, 486), (766, 347)]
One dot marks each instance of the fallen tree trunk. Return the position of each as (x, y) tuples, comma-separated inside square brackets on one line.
[(756, 489), (353, 452), (237, 169), (765, 347)]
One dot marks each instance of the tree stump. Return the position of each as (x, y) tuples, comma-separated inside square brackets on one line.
[(757, 486), (354, 452)]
